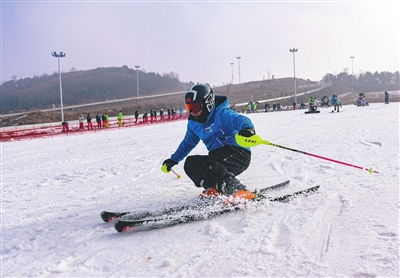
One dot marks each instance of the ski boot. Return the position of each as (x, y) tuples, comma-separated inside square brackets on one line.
[(234, 191), (209, 193), (244, 194)]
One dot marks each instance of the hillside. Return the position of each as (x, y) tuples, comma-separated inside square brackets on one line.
[(80, 87)]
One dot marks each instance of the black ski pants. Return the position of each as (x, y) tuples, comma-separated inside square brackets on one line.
[(219, 168)]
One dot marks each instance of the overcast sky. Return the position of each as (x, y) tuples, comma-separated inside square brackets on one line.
[(199, 40)]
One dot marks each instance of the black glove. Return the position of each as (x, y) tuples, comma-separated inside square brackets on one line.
[(247, 132), (169, 163)]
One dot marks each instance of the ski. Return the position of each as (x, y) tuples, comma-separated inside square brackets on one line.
[(206, 212), (109, 216), (273, 187), (295, 194), (162, 221)]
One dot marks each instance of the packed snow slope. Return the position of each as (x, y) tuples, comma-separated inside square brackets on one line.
[(54, 189)]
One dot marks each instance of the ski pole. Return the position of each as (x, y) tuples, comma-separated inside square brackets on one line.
[(165, 170), (176, 174), (255, 140)]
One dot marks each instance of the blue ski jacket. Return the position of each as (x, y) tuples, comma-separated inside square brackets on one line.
[(334, 100), (219, 130)]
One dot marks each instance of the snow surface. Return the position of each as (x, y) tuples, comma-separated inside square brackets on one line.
[(54, 189)]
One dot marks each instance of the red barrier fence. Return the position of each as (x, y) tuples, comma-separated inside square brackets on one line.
[(18, 133)]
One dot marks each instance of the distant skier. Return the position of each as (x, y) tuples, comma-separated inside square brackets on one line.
[(325, 101), (254, 107), (169, 113), (310, 103), (107, 120), (211, 121), (65, 126), (386, 97), (104, 120), (98, 120), (335, 102), (89, 121), (312, 106), (136, 116), (248, 107), (173, 113), (120, 118), (81, 120), (151, 115), (155, 115)]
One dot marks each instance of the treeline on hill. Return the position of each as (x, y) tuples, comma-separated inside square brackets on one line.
[(101, 84), (81, 87), (365, 82)]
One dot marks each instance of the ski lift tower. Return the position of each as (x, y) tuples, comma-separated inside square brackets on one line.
[(59, 56), (294, 50), (238, 58), (137, 80), (352, 73)]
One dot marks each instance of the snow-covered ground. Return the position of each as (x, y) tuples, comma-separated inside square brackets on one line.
[(54, 189)]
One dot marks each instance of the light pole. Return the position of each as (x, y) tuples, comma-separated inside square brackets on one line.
[(238, 58), (232, 72), (352, 74), (294, 50), (137, 80), (58, 56)]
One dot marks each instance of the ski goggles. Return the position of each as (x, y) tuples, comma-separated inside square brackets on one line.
[(194, 108)]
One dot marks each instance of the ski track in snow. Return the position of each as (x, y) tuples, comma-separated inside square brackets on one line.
[(54, 189)]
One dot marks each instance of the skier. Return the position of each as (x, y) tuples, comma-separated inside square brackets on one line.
[(145, 118), (173, 113), (169, 113), (335, 102), (161, 114), (248, 107), (89, 121), (107, 120), (311, 104), (325, 101), (65, 126), (255, 103), (81, 120), (211, 121), (151, 115), (155, 115), (98, 120), (136, 116), (104, 120), (386, 97), (120, 118)]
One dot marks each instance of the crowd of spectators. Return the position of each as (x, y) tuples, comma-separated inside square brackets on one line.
[(103, 121), (158, 115)]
